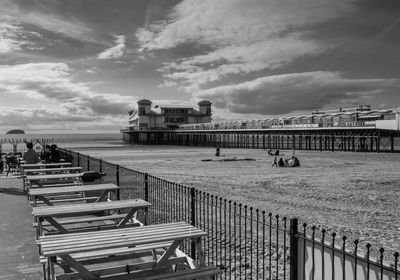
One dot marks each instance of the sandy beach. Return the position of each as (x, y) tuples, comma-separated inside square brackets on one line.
[(352, 194)]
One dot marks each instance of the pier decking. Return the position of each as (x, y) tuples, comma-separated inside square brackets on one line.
[(19, 258)]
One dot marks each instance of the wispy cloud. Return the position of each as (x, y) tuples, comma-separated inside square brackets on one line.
[(14, 38), (115, 52), (43, 17), (248, 36), (281, 94)]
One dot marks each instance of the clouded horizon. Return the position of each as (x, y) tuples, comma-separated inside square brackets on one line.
[(80, 65)]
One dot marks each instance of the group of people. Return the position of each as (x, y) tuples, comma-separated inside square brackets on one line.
[(289, 162), (50, 154)]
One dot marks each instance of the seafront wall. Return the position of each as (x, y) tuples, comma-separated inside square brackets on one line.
[(249, 243)]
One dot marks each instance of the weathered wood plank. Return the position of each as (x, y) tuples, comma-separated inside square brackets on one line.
[(114, 238), (69, 189), (67, 210), (53, 176)]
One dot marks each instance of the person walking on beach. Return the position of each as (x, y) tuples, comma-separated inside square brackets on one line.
[(30, 156), (275, 162), (217, 152), (54, 154)]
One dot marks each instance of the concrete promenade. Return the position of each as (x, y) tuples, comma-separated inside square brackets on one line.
[(19, 259)]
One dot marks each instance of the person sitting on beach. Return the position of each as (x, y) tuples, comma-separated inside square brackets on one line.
[(30, 156), (281, 162), (54, 154)]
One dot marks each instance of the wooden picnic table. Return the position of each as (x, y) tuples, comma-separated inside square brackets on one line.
[(51, 214), (53, 170), (45, 165), (53, 195), (161, 241), (42, 179)]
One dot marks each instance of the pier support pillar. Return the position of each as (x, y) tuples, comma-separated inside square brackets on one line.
[(392, 143)]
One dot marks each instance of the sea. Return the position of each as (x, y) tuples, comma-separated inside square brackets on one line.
[(70, 140)]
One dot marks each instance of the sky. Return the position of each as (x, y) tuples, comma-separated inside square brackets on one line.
[(81, 65)]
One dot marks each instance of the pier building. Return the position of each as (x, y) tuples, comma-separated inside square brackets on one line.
[(149, 116), (359, 128)]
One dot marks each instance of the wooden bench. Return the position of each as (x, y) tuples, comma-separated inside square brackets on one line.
[(189, 274), (45, 165), (74, 193), (77, 250), (52, 170), (34, 181), (51, 213), (88, 223)]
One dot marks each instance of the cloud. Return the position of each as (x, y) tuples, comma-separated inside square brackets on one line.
[(248, 36), (14, 38), (53, 84), (116, 51), (44, 17), (281, 94)]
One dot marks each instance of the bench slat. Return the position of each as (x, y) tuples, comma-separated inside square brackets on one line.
[(119, 269), (69, 189), (65, 210), (116, 238), (86, 219)]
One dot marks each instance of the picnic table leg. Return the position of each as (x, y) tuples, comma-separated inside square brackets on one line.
[(127, 218), (51, 264), (48, 268), (102, 196), (45, 200), (147, 219), (44, 271), (164, 258), (79, 267), (200, 254), (39, 227), (55, 224)]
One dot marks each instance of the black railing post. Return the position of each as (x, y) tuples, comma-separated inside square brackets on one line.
[(146, 196), (88, 163), (146, 186), (193, 219), (79, 160), (100, 165), (117, 175), (293, 232)]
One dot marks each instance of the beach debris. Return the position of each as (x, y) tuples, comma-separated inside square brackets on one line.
[(230, 159), (91, 176)]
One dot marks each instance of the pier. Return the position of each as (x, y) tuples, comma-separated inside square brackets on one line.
[(349, 139)]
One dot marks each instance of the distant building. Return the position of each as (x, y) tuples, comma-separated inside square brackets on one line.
[(152, 117)]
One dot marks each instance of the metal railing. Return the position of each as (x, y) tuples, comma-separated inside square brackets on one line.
[(246, 243)]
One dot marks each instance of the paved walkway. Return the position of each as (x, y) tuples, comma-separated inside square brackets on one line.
[(19, 259)]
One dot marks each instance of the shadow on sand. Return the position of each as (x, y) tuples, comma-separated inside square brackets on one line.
[(12, 191)]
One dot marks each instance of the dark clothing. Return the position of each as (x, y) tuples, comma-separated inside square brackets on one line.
[(31, 157), (54, 157)]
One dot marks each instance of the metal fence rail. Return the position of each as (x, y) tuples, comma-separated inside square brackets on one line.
[(246, 243)]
